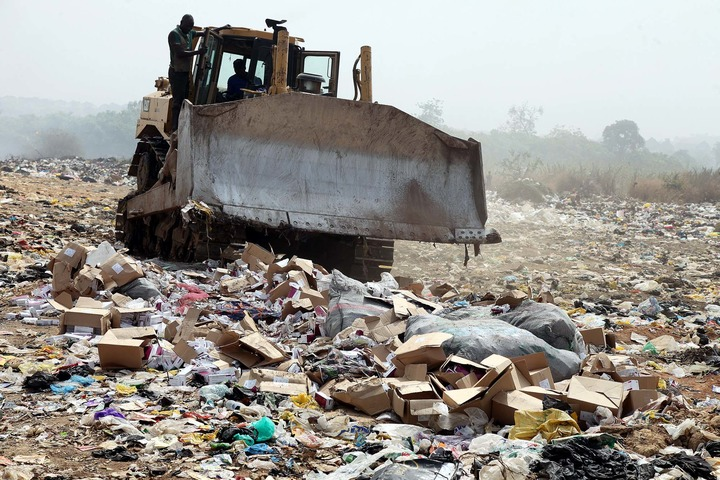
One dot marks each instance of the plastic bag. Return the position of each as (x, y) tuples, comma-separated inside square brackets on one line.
[(348, 303), (550, 424), (476, 336)]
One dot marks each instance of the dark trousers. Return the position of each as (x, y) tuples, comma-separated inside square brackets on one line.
[(180, 85)]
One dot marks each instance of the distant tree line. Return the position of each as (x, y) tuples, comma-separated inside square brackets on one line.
[(517, 143)]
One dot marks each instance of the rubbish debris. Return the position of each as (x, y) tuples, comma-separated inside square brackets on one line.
[(572, 364)]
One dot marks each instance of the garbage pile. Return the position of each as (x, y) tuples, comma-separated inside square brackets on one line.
[(265, 366), (110, 171)]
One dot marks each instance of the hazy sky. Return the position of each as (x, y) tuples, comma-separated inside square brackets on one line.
[(587, 63)]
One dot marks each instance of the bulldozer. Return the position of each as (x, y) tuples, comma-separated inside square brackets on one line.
[(292, 167)]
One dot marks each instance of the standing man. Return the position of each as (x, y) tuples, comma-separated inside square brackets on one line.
[(181, 55)]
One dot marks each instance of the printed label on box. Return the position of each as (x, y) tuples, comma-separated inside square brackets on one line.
[(545, 383), (117, 268), (280, 380), (70, 252), (631, 385)]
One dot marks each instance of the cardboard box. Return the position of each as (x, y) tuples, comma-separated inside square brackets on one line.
[(505, 404), (125, 347), (275, 381), (385, 326), (251, 350), (637, 382), (500, 375), (595, 337), (97, 319), (119, 270), (415, 402), (541, 393), (72, 254), (62, 279), (535, 368), (426, 348), (257, 258), (638, 399), (370, 396), (87, 280), (588, 393)]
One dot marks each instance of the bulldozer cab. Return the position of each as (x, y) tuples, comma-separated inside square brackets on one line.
[(308, 71)]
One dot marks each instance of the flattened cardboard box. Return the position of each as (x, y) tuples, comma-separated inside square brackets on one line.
[(285, 383), (250, 350), (370, 396), (119, 270), (588, 393), (385, 326), (426, 348), (125, 347)]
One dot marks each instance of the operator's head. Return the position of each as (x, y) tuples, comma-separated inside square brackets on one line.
[(239, 65), (187, 23)]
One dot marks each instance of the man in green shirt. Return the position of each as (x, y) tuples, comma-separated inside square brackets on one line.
[(181, 55)]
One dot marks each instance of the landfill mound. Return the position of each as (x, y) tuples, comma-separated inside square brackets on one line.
[(584, 346)]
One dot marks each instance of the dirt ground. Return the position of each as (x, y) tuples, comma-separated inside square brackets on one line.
[(585, 253)]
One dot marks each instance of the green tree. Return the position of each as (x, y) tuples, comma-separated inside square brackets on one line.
[(623, 137), (522, 119), (431, 112)]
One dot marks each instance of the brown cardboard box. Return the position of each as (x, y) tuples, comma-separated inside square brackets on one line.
[(541, 393), (294, 263), (87, 280), (370, 395), (638, 399), (505, 404), (594, 336), (99, 319), (589, 393), (415, 402), (275, 381), (490, 369), (251, 350), (62, 279), (503, 376), (296, 281), (385, 326), (535, 368), (380, 357), (183, 350), (634, 379), (125, 347), (426, 348), (257, 258), (511, 379), (119, 270), (72, 254)]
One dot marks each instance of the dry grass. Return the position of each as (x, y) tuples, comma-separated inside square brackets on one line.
[(692, 186)]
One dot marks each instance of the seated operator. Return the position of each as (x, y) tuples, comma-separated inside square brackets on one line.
[(238, 81)]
